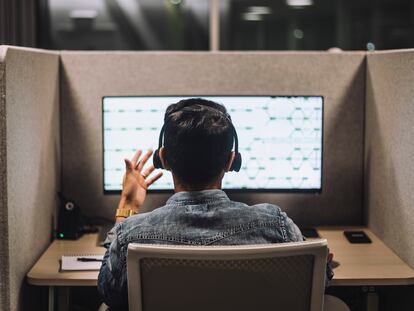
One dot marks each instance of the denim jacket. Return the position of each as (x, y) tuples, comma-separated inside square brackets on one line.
[(190, 218)]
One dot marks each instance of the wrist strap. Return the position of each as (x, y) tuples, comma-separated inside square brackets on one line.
[(125, 212)]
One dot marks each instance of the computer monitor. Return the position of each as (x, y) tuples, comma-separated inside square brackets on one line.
[(280, 139)]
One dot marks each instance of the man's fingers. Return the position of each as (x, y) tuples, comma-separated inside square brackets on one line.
[(148, 171), (152, 179), (136, 156), (144, 160), (128, 165)]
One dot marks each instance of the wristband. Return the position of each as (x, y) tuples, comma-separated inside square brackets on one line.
[(124, 212)]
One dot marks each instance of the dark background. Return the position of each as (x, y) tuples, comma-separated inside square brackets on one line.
[(184, 24)]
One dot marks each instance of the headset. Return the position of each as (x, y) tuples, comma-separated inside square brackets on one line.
[(237, 162)]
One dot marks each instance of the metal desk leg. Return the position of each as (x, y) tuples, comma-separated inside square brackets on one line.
[(372, 300), (63, 298), (51, 303)]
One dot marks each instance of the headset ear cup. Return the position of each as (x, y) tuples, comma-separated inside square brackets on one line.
[(236, 163), (156, 159)]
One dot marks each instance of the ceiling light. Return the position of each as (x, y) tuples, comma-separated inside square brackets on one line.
[(175, 2), (262, 10), (253, 17), (299, 2)]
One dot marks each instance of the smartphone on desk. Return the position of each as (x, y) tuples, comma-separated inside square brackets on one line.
[(357, 237)]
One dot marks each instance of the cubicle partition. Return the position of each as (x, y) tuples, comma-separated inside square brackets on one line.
[(389, 149), (4, 243), (30, 165), (340, 77), (51, 136)]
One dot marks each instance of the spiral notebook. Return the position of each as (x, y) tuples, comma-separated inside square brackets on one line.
[(91, 262)]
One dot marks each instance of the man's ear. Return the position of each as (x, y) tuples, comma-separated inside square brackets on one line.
[(230, 161), (161, 153)]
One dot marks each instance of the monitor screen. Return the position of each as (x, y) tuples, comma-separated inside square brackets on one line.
[(280, 140)]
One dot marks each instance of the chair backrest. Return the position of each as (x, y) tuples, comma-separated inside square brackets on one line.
[(284, 276)]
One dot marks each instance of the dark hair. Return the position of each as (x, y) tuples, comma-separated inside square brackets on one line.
[(198, 139)]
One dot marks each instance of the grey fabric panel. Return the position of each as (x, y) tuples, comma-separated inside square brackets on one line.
[(389, 150), (339, 77), (3, 49), (4, 234), (284, 283), (33, 160)]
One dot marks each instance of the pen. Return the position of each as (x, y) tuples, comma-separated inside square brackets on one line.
[(88, 259)]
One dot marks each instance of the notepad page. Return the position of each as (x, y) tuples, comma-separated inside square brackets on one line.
[(71, 263)]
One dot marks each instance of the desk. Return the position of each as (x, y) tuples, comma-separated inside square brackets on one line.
[(360, 264), (46, 271), (365, 264)]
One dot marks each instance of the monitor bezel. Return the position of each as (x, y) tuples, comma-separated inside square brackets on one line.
[(228, 190)]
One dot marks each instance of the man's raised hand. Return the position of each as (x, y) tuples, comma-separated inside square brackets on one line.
[(137, 180)]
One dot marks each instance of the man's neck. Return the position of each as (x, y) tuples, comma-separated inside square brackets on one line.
[(179, 187)]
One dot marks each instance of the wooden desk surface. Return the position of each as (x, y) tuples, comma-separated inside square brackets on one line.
[(365, 264), (47, 272), (360, 264)]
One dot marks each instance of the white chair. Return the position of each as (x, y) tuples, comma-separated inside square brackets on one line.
[(285, 276)]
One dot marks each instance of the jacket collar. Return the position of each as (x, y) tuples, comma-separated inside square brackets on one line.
[(197, 197)]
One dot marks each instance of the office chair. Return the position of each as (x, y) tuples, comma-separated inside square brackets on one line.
[(285, 276)]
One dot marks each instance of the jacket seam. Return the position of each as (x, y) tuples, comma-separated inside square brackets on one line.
[(186, 202), (243, 228), (231, 232)]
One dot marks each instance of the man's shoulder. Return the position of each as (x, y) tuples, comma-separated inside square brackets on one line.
[(266, 210), (260, 207), (142, 220), (148, 217)]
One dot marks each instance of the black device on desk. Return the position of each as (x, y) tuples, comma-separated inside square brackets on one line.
[(69, 220), (357, 237)]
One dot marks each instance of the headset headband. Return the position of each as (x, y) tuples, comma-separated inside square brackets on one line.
[(236, 140), (236, 165)]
